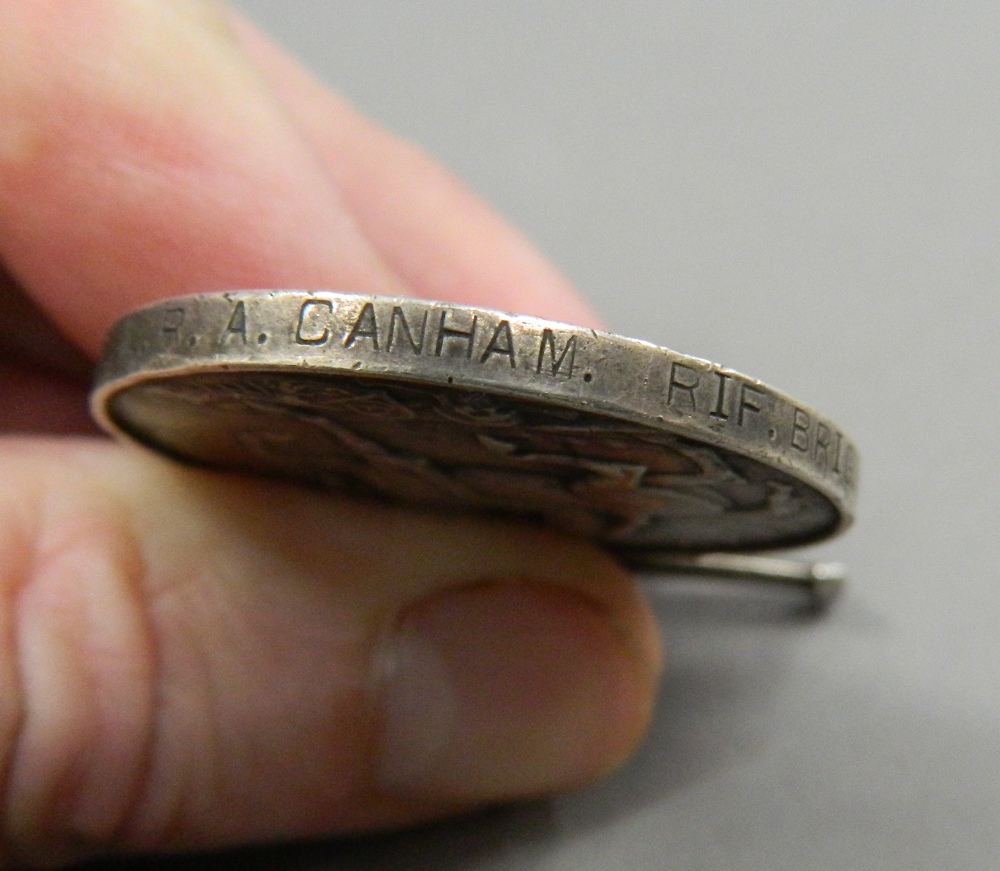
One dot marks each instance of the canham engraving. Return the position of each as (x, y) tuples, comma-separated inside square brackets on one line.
[(501, 344), (456, 407), (556, 358), (399, 323), (313, 324), (683, 381)]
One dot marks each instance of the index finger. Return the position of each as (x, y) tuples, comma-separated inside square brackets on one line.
[(149, 157), (440, 238)]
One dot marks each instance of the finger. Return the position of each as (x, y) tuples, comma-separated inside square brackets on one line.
[(29, 339), (43, 377), (146, 158), (203, 660), (180, 172), (171, 694), (33, 401), (443, 241)]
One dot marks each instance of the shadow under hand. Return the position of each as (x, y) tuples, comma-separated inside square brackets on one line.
[(728, 646), (471, 841)]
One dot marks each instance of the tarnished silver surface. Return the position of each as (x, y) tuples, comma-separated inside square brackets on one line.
[(464, 409)]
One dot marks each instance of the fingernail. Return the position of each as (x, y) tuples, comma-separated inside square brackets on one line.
[(501, 690)]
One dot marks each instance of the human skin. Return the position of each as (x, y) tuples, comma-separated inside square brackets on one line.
[(194, 660)]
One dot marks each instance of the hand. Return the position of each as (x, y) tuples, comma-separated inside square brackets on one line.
[(192, 660)]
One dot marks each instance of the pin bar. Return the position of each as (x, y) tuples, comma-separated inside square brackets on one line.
[(823, 581)]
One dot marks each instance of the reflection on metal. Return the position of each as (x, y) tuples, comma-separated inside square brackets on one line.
[(823, 581)]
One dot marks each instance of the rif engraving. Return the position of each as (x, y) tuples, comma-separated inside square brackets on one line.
[(682, 383), (750, 399), (719, 412)]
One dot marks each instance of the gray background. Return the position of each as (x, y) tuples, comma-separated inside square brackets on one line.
[(807, 192)]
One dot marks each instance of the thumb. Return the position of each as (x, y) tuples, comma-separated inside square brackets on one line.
[(195, 660)]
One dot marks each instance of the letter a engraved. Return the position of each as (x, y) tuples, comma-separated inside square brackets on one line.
[(365, 327), (312, 327), (237, 325), (556, 358), (501, 344), (404, 327)]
